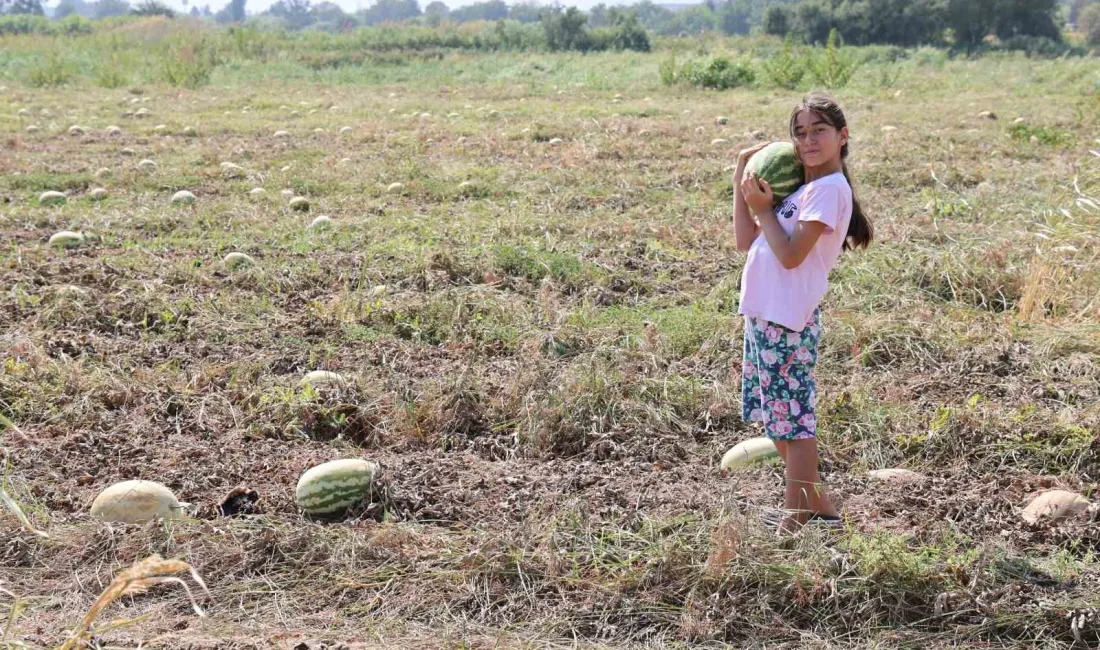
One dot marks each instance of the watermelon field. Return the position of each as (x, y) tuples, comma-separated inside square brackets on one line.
[(527, 287)]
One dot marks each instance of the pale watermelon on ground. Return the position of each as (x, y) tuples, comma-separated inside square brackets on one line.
[(749, 451), (132, 502)]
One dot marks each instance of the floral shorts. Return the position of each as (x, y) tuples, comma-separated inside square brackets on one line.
[(777, 377)]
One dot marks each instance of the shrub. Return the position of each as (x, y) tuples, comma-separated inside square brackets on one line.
[(189, 65), (1041, 47), (784, 69), (835, 67), (51, 71), (719, 73)]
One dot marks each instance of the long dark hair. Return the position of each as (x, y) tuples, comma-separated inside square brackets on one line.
[(860, 230)]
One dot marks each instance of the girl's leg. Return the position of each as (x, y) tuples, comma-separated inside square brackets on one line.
[(804, 492)]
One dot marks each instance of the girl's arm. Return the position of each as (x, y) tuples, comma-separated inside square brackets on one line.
[(791, 250), (745, 227)]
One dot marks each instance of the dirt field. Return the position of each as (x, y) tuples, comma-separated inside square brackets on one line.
[(545, 362)]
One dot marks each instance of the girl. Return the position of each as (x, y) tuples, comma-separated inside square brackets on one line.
[(791, 249)]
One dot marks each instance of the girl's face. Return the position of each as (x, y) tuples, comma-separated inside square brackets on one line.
[(817, 141)]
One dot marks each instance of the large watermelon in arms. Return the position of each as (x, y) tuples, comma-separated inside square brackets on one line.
[(778, 164)]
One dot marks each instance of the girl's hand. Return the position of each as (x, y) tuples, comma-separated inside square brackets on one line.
[(744, 155), (757, 193)]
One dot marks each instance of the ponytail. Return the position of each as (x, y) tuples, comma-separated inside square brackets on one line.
[(860, 230)]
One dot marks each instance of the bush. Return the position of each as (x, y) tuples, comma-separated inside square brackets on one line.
[(26, 24), (718, 73), (189, 65), (836, 66), (1040, 47), (51, 71), (784, 69)]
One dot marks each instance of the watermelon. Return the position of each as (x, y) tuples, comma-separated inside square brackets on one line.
[(132, 502), (749, 451), (779, 165), (333, 487)]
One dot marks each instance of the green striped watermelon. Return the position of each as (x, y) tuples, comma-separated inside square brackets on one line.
[(333, 487), (778, 164)]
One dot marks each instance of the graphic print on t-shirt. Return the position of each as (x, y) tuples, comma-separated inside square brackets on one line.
[(786, 209)]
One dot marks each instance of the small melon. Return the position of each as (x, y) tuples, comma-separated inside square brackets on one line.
[(345, 129), (749, 451), (280, 134), (320, 223), (114, 130), (299, 203), (76, 130), (236, 260), (333, 487), (256, 192), (147, 165), (232, 170), (103, 172), (97, 194), (67, 239), (322, 377), (132, 502), (33, 128), (1055, 505), (190, 131), (52, 198), (395, 187), (183, 197), (287, 193), (718, 141), (896, 475), (160, 128), (721, 120), (555, 141)]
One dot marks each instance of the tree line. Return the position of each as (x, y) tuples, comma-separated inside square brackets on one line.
[(964, 24)]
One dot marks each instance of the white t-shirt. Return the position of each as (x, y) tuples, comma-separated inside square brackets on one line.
[(789, 296)]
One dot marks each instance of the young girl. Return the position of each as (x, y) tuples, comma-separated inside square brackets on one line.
[(791, 249)]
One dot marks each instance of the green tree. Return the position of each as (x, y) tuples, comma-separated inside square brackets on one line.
[(971, 21), (153, 8), (524, 12), (1027, 18), (29, 7), (777, 21), (1089, 23), (733, 17), (487, 10), (64, 8), (814, 20), (234, 11), (296, 13), (108, 8), (628, 33), (565, 30)]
